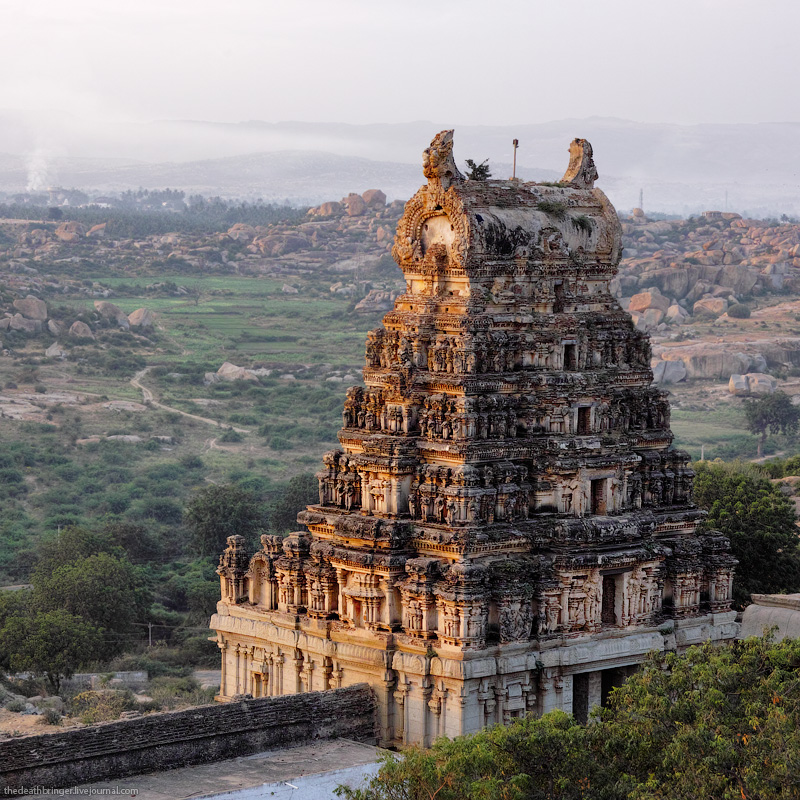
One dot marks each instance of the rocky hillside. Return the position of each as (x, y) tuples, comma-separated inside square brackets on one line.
[(681, 279), (694, 279), (674, 270)]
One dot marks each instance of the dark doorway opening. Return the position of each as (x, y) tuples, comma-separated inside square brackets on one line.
[(580, 697), (608, 613), (558, 306), (599, 496), (612, 679), (570, 356)]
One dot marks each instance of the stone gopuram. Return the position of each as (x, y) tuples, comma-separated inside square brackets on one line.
[(506, 528)]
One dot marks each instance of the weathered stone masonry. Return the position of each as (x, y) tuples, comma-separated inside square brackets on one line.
[(506, 528), (182, 738)]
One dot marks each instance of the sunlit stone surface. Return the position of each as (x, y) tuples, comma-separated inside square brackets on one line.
[(506, 528)]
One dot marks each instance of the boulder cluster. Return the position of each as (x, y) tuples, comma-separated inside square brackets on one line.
[(32, 316), (674, 270)]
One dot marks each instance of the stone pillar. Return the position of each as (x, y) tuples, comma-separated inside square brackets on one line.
[(237, 688), (550, 696), (386, 707), (396, 492), (425, 695), (500, 705), (595, 689), (564, 606), (279, 662), (401, 711), (341, 580), (308, 672), (249, 657), (298, 671), (389, 600), (564, 687), (223, 680)]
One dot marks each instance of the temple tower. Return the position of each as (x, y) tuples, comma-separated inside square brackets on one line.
[(506, 528)]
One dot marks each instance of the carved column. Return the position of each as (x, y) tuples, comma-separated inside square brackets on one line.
[(223, 681)]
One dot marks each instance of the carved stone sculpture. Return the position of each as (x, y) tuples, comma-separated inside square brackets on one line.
[(506, 487)]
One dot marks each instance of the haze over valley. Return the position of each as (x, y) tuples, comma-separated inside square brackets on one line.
[(681, 169)]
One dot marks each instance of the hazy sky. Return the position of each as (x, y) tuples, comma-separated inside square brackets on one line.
[(460, 61)]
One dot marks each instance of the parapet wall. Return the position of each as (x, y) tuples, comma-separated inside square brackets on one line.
[(181, 738)]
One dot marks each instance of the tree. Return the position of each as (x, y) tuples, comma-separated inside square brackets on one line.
[(478, 172), (73, 544), (217, 512), (772, 412), (760, 522), (52, 643), (85, 574), (300, 492), (102, 589), (717, 722), (139, 544)]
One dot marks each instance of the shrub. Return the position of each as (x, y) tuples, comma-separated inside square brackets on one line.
[(103, 705), (739, 311), (553, 208), (50, 717), (177, 692), (583, 223), (16, 706)]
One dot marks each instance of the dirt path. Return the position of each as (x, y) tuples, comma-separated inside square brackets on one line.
[(767, 458), (149, 399)]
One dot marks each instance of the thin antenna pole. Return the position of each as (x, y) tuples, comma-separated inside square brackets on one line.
[(514, 171)]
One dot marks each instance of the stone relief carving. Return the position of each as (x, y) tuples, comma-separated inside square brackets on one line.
[(504, 474)]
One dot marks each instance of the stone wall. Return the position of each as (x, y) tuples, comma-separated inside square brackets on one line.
[(180, 738)]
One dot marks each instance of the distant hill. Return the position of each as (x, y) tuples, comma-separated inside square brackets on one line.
[(681, 168), (301, 177)]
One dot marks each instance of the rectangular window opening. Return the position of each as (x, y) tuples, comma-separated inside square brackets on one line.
[(599, 496), (570, 356), (609, 608)]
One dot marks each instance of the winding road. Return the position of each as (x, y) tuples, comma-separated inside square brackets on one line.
[(149, 399)]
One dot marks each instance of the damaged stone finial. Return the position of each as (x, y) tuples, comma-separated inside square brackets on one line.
[(581, 172), (438, 164)]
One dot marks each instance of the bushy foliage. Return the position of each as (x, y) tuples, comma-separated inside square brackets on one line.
[(85, 599), (50, 643), (217, 512), (478, 172), (102, 705), (141, 213), (50, 716), (760, 522), (720, 723), (739, 311), (300, 492), (772, 413)]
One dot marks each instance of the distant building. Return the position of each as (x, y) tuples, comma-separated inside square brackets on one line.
[(506, 528)]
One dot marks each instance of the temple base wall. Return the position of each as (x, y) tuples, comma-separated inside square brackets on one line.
[(424, 692)]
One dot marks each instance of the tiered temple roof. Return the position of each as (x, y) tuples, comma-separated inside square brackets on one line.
[(506, 477)]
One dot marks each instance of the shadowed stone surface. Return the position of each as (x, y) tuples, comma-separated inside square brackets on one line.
[(195, 736), (307, 772)]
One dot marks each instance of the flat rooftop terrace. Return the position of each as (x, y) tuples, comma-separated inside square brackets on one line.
[(307, 772)]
